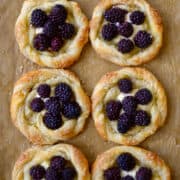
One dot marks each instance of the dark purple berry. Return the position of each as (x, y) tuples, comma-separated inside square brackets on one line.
[(125, 29), (68, 173), (64, 92), (114, 15), (126, 161), (58, 162), (143, 39), (38, 18), (52, 174), (112, 174), (71, 110), (127, 178), (37, 172), (58, 14), (37, 105), (125, 46), (143, 96), (137, 17), (67, 31), (56, 44), (41, 42), (125, 85), (109, 31), (113, 109), (51, 121), (144, 174), (129, 104), (44, 90), (142, 118), (50, 29)]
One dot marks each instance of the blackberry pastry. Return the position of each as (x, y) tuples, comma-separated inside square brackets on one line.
[(129, 163), (49, 105), (128, 105), (126, 32), (51, 33), (56, 162)]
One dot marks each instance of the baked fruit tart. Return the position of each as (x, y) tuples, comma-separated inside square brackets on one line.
[(49, 105), (126, 32), (129, 163), (56, 162), (51, 33), (128, 105)]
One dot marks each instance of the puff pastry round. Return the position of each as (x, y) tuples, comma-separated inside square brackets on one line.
[(71, 49), (43, 155), (31, 122), (134, 55), (143, 159), (128, 127)]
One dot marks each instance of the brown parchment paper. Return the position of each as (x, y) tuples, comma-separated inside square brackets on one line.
[(166, 66)]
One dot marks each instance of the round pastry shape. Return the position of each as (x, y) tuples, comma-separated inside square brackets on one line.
[(126, 32), (128, 105), (49, 105), (51, 33), (129, 163), (60, 161)]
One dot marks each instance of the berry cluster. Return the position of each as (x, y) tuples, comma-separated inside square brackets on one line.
[(117, 25), (130, 116), (126, 162), (55, 28), (61, 104), (58, 169)]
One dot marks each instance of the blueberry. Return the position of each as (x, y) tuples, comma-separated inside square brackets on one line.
[(68, 173), (142, 118), (125, 85), (112, 174), (37, 105), (125, 46), (126, 161), (144, 174), (52, 174), (56, 44), (37, 172), (58, 162), (50, 29), (137, 17), (67, 30), (143, 96), (113, 109), (129, 104), (125, 29), (41, 42), (127, 178), (44, 90)]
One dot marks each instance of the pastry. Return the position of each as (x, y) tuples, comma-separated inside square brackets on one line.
[(60, 161), (126, 32), (128, 105), (129, 163), (49, 105), (51, 33)]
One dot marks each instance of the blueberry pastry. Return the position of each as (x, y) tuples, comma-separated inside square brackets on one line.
[(128, 105), (129, 163), (51, 33), (49, 105), (58, 162), (126, 32)]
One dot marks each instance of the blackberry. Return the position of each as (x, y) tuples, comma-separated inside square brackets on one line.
[(126, 161), (143, 39), (144, 174), (109, 31), (137, 17), (125, 46), (51, 121), (68, 173), (125, 29), (143, 96), (125, 85), (57, 163), (50, 29), (129, 104), (71, 110), (58, 14), (112, 174), (64, 92), (56, 44), (41, 42), (113, 109), (142, 118), (67, 30), (127, 178), (114, 15), (37, 105), (44, 90), (52, 174), (38, 18), (37, 172), (53, 105)]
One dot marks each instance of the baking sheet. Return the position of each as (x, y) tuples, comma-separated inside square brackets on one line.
[(166, 66)]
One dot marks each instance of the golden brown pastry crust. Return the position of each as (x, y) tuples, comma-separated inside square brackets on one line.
[(144, 157), (157, 108), (37, 155), (30, 123), (69, 53), (110, 52)]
